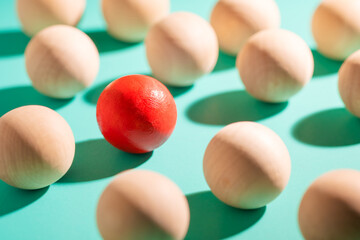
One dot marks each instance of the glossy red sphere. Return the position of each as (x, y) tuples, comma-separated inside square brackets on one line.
[(136, 113)]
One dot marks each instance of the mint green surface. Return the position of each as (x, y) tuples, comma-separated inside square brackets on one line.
[(319, 133)]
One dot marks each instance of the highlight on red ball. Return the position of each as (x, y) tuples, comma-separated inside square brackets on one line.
[(136, 113)]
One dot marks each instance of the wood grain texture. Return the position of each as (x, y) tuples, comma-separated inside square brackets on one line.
[(235, 21), (330, 208), (246, 165), (181, 48), (35, 15), (336, 28), (61, 61), (274, 65), (141, 204), (130, 20), (349, 84), (37, 147)]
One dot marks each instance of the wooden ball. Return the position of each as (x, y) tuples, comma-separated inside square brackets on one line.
[(330, 208), (130, 20), (61, 61), (246, 165), (349, 85), (336, 28), (181, 48), (35, 15), (37, 147), (141, 204), (136, 113), (235, 21), (274, 65)]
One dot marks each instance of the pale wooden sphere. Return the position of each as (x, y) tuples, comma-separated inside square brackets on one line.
[(336, 28), (181, 48), (130, 20), (36, 15), (349, 83), (37, 147), (61, 61), (141, 204), (246, 165), (234, 21), (274, 65), (330, 208)]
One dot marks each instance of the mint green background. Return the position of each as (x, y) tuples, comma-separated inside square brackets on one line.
[(318, 132)]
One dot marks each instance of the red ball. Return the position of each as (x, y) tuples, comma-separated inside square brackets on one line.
[(136, 113)]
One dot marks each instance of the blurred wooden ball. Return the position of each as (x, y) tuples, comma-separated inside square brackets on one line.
[(36, 15), (61, 61), (349, 85), (181, 48), (274, 65), (234, 21), (246, 165), (37, 147), (336, 28), (141, 204), (330, 208), (130, 20)]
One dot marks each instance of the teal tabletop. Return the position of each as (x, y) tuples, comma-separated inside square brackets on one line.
[(321, 135)]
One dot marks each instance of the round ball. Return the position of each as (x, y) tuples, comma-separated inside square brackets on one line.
[(136, 113), (130, 20), (142, 205), (235, 21), (246, 165), (274, 65), (37, 147), (349, 84), (35, 15), (61, 61), (336, 28), (181, 48), (330, 207)]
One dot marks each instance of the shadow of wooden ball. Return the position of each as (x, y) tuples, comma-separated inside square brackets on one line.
[(93, 94), (13, 199), (224, 62), (14, 97), (329, 128), (12, 43), (211, 219), (229, 107), (324, 66), (105, 43)]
